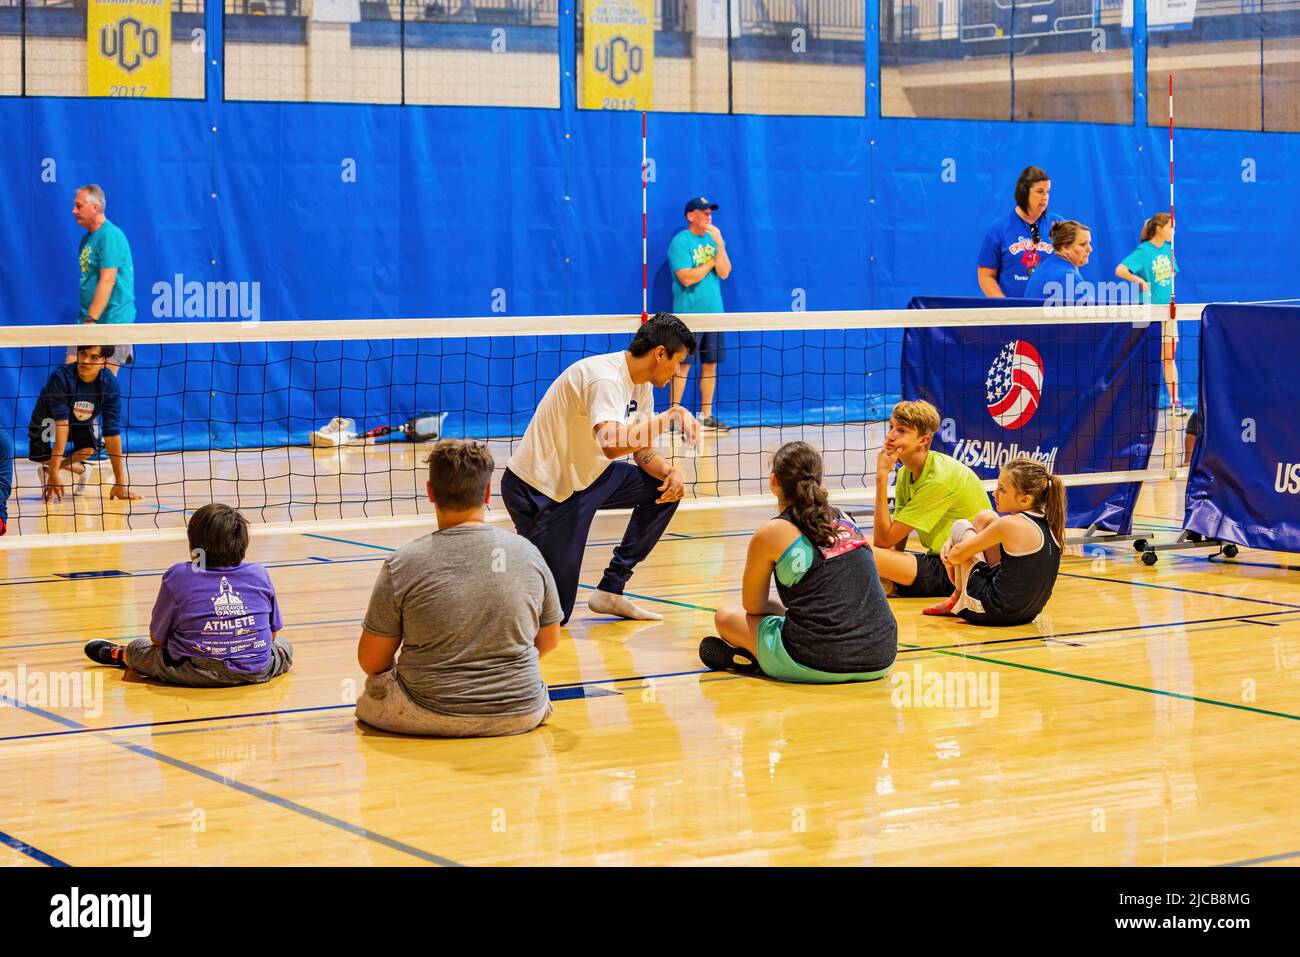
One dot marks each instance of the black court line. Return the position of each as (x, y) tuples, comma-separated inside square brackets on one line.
[(35, 853), (248, 789)]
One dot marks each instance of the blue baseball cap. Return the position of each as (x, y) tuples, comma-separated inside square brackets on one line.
[(699, 202)]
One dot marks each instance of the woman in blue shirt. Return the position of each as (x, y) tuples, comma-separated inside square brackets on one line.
[(1057, 278), (1015, 243)]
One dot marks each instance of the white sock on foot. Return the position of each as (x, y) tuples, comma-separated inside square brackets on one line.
[(607, 603)]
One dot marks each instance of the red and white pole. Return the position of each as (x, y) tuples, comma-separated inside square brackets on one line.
[(1173, 309)]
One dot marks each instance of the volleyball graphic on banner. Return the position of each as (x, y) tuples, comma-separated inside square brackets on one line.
[(1014, 385)]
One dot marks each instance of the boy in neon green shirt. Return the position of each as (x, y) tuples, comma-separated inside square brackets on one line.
[(933, 491)]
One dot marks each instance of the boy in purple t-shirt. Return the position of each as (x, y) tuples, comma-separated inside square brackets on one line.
[(216, 620)]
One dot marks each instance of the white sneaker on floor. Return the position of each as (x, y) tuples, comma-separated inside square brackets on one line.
[(79, 480), (339, 431)]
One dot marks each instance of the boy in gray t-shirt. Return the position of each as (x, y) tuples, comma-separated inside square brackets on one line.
[(472, 609)]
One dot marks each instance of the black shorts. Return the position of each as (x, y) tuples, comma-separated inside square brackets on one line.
[(81, 435), (980, 586), (932, 579), (1194, 425), (712, 349)]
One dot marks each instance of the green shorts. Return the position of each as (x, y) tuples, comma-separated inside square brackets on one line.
[(777, 663)]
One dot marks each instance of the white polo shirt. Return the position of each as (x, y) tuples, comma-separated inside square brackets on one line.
[(559, 454)]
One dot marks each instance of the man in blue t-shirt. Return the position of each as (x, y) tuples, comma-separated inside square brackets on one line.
[(107, 270), (1016, 243), (66, 410), (698, 258)]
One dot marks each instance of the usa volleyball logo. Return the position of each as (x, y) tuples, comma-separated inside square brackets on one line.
[(1014, 385)]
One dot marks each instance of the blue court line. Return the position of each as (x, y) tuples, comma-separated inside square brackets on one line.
[(1250, 861), (344, 541), (266, 724), (159, 572), (247, 789), (662, 601), (82, 729), (35, 853), (76, 728)]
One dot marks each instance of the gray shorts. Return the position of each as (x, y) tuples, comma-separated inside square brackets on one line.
[(386, 705), (150, 660)]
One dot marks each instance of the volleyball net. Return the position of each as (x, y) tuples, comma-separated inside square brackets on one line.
[(326, 425)]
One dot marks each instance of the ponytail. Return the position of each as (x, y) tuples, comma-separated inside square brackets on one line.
[(798, 470), (1054, 507)]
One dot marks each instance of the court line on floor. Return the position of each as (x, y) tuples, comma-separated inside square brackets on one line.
[(1250, 861), (74, 728), (123, 639), (35, 853), (1189, 591), (1104, 631), (247, 789), (945, 650), (1115, 684), (159, 572)]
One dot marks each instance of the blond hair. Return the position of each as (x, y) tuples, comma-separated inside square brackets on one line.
[(916, 414)]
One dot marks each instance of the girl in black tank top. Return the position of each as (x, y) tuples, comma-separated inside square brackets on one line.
[(1005, 567)]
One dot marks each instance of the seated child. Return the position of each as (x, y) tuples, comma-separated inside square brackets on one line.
[(1005, 567), (71, 401), (932, 491), (832, 623), (216, 621), (471, 607)]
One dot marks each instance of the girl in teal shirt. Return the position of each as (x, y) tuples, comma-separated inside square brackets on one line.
[(1152, 267)]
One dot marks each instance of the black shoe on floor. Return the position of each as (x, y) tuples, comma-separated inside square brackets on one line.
[(711, 423), (106, 652), (720, 656)]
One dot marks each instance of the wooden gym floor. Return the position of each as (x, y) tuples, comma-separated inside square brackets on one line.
[(1151, 716)]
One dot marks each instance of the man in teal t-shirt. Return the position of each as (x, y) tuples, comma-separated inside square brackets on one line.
[(107, 271), (698, 259)]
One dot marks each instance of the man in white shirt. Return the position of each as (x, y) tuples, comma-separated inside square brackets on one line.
[(602, 408)]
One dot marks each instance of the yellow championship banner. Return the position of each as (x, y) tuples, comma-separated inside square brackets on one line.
[(618, 54), (129, 46)]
